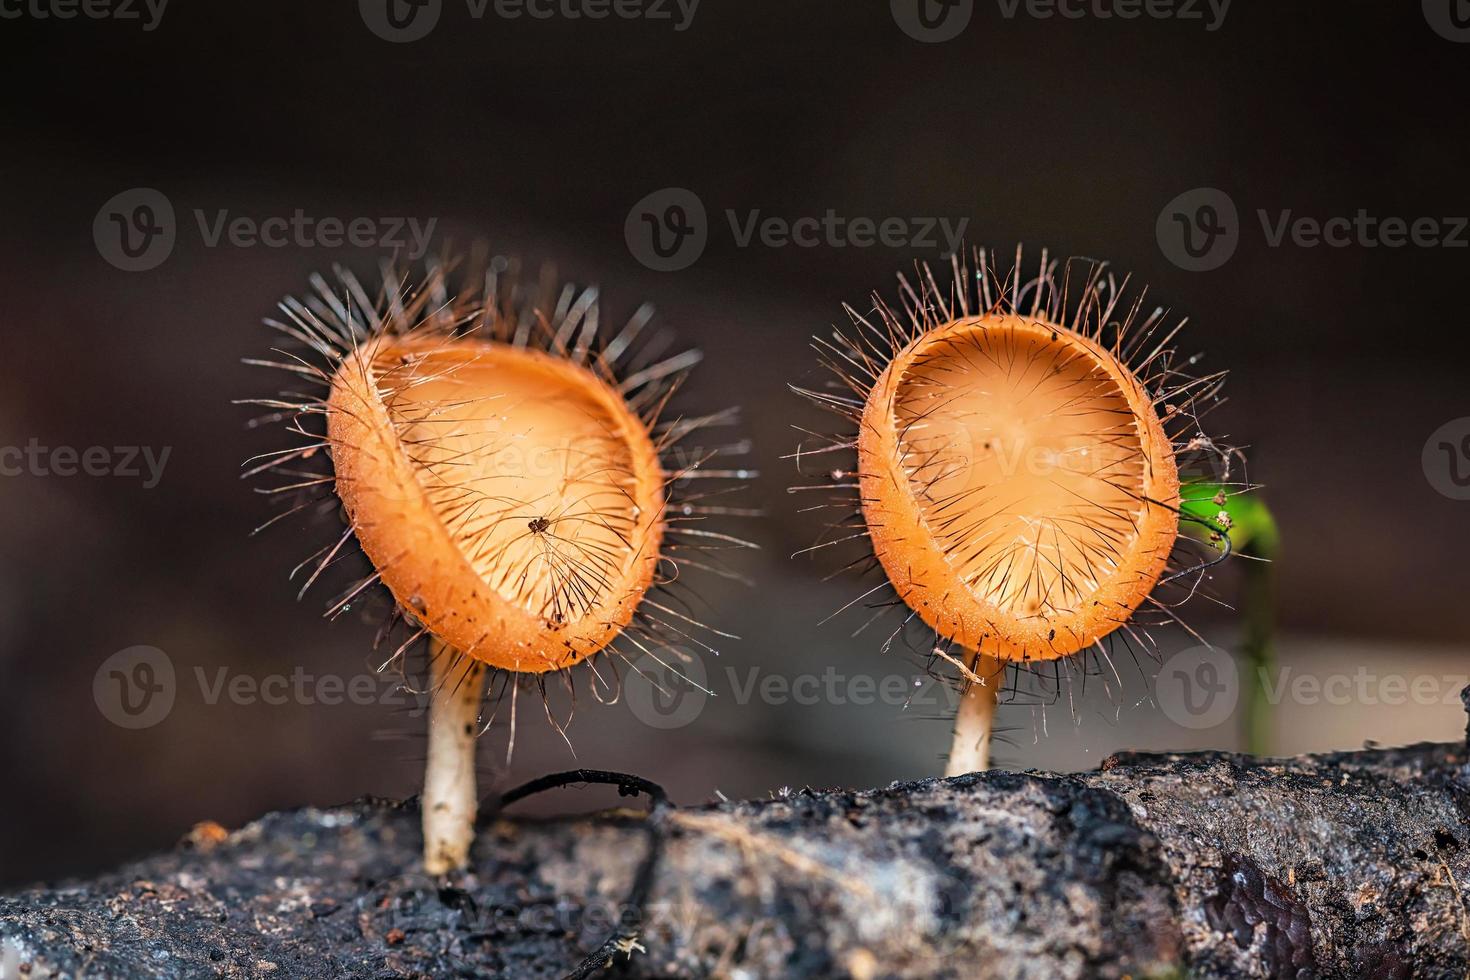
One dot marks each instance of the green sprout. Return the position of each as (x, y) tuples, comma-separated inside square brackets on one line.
[(1209, 511)]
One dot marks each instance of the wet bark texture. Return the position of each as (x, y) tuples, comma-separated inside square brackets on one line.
[(1207, 865)]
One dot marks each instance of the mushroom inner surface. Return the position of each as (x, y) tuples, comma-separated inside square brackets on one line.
[(1026, 463), (525, 465)]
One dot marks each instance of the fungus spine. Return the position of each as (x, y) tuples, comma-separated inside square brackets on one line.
[(1013, 459), (503, 468)]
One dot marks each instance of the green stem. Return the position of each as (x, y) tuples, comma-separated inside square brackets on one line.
[(1259, 608)]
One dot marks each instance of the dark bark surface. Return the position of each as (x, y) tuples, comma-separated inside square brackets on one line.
[(1207, 865)]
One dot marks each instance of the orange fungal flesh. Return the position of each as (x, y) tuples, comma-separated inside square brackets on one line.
[(509, 499), (1018, 485)]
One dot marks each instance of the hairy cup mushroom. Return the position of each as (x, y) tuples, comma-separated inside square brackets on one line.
[(1014, 465), (503, 469)]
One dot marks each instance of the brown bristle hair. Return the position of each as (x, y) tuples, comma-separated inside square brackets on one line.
[(367, 449), (901, 480)]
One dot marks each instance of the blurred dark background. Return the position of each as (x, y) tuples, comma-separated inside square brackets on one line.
[(539, 136)]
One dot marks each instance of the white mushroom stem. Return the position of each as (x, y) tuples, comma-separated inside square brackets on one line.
[(450, 803), (974, 725)]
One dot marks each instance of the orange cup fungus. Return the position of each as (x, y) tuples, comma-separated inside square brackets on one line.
[(1034, 501), (503, 467), (509, 498), (1015, 451)]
